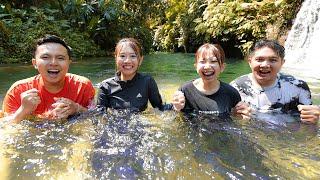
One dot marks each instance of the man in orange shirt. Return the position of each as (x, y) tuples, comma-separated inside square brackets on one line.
[(53, 93)]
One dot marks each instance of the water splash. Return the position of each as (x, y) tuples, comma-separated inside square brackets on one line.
[(303, 43), (122, 145)]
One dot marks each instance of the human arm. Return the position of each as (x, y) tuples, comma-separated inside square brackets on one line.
[(243, 110), (309, 113), (29, 100), (103, 98), (64, 107), (178, 100), (1, 113), (71, 104), (154, 95), (305, 93)]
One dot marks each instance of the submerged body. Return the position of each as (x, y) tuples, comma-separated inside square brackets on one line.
[(284, 95), (208, 94), (129, 89), (76, 88), (265, 89), (218, 103), (131, 94), (53, 93)]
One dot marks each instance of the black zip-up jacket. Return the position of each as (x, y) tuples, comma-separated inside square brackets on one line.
[(132, 94)]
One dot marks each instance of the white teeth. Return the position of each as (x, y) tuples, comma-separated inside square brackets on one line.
[(53, 71), (208, 73), (264, 70), (127, 67)]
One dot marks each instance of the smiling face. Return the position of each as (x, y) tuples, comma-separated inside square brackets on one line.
[(52, 61), (265, 64), (127, 61), (208, 67)]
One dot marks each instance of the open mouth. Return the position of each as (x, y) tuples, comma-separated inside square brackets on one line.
[(53, 72), (264, 72), (127, 67), (208, 73)]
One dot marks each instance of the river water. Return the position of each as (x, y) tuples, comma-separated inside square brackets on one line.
[(154, 144)]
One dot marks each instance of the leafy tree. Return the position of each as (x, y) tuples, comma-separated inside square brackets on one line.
[(243, 21), (177, 32), (24, 26), (166, 25), (108, 21)]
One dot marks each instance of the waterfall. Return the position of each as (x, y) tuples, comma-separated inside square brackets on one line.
[(303, 43)]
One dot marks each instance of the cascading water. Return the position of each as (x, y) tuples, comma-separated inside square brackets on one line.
[(303, 43)]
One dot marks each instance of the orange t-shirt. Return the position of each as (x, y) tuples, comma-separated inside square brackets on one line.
[(76, 88)]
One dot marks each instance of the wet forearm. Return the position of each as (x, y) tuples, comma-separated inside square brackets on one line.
[(17, 117)]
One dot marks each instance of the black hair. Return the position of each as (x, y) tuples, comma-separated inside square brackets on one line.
[(48, 38), (272, 44)]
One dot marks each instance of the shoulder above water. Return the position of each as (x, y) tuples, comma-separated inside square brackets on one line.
[(78, 78), (285, 78)]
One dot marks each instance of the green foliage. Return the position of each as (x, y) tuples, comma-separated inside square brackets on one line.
[(177, 33), (108, 21), (166, 25), (25, 26), (84, 24), (243, 21), (189, 23)]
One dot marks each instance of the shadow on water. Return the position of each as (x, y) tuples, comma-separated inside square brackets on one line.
[(121, 145)]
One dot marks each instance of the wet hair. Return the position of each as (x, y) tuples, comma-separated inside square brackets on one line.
[(216, 49), (48, 38), (133, 43), (272, 44)]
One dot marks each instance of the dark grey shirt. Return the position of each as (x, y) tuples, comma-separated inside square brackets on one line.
[(219, 103)]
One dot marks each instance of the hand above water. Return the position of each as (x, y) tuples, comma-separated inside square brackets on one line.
[(178, 100), (243, 109), (30, 100), (64, 107), (309, 113)]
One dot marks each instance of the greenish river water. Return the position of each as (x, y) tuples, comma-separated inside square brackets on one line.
[(154, 144)]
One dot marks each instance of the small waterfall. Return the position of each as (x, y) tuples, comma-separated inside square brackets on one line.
[(303, 43)]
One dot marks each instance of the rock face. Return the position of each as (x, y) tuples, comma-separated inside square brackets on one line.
[(303, 42)]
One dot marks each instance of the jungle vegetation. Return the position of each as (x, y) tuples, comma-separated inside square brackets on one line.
[(92, 27)]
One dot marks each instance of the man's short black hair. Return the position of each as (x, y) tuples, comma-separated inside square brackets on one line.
[(48, 38), (272, 44)]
